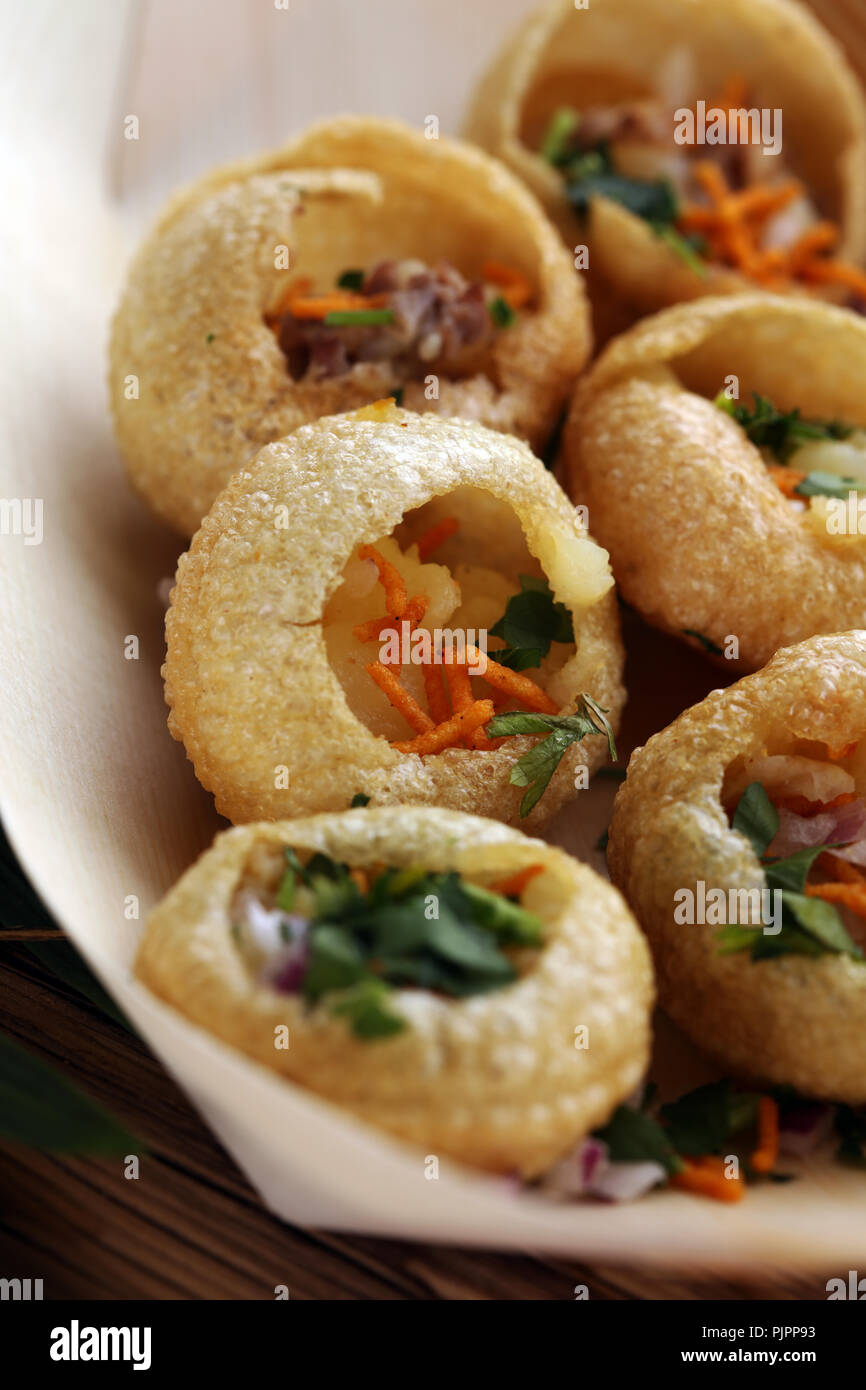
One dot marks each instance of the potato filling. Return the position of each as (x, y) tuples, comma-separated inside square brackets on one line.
[(408, 629)]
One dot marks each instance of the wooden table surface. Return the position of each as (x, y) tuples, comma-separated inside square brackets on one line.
[(191, 1227)]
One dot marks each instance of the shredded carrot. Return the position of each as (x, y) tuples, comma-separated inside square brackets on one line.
[(852, 895), (518, 687), (839, 869), (298, 287), (764, 1158), (733, 94), (435, 536), (802, 806), (786, 479), (822, 237), (451, 732), (435, 688), (373, 628), (706, 1177), (399, 697), (514, 886), (839, 751), (390, 578), (838, 273), (516, 287), (318, 306)]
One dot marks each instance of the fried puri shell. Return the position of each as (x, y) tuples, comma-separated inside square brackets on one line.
[(494, 1080), (602, 54), (212, 383), (247, 673), (700, 537), (794, 1020)]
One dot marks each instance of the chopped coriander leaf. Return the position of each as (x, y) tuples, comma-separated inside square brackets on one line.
[(757, 818), (652, 200), (501, 312), (704, 1120), (688, 248), (781, 431), (706, 643), (535, 768), (359, 799), (345, 318), (210, 337), (819, 484), (364, 1005), (809, 926), (397, 393), (351, 280), (532, 621), (632, 1136), (557, 142)]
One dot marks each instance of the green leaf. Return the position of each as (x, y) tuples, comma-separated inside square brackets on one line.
[(41, 1109), (347, 318), (501, 312), (532, 620), (705, 642), (687, 248), (653, 200), (632, 1136), (359, 799), (704, 1120), (536, 767), (510, 922), (828, 485), (351, 280), (781, 431), (757, 818), (557, 141), (336, 961), (821, 921), (365, 1008), (791, 873)]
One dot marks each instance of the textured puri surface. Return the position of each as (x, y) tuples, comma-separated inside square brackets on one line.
[(495, 1080), (247, 673), (213, 384), (795, 1020), (699, 535)]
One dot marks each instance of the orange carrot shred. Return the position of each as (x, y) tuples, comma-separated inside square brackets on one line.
[(786, 479), (852, 895), (451, 732), (706, 1178), (514, 886), (518, 686), (764, 1158), (436, 697), (390, 578), (435, 536), (373, 628), (399, 697), (335, 302), (516, 287)]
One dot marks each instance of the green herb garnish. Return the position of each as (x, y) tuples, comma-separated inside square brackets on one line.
[(533, 619), (809, 926), (397, 393), (780, 431), (360, 799), (210, 337), (346, 318), (819, 484), (557, 143), (535, 768), (704, 1120), (501, 312), (351, 280), (632, 1136), (705, 642), (431, 930)]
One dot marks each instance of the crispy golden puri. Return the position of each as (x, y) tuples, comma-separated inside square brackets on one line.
[(198, 380), (700, 536), (794, 1020), (266, 684), (494, 1080), (616, 53)]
